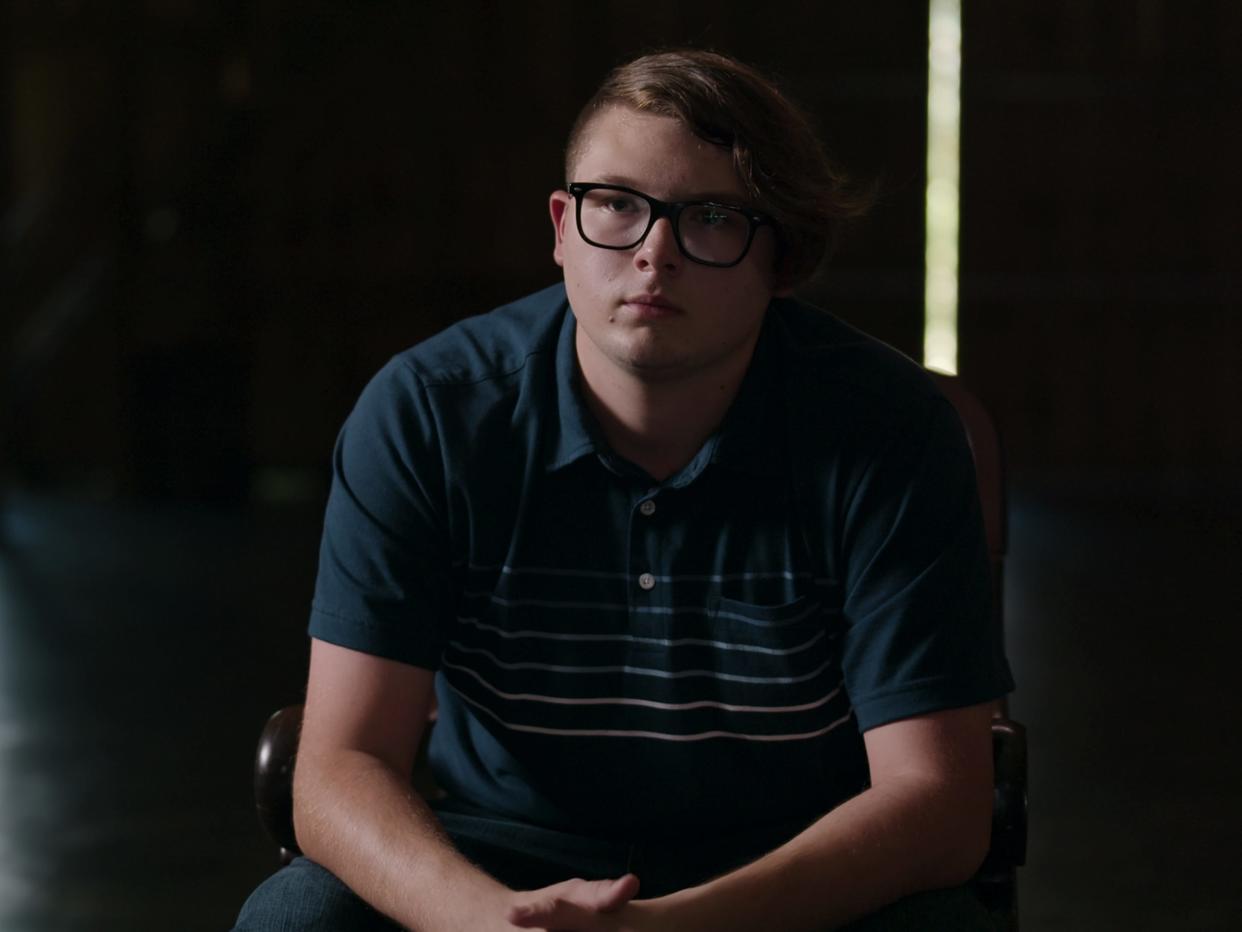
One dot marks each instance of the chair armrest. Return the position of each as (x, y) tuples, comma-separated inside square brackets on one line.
[(273, 778), (1009, 801)]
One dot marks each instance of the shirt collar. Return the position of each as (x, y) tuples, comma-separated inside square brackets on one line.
[(574, 435), (749, 439)]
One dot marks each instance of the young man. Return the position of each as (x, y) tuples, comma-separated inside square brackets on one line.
[(695, 572)]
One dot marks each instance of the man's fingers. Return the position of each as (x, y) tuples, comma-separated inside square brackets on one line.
[(613, 894), (549, 912), (540, 914), (564, 904)]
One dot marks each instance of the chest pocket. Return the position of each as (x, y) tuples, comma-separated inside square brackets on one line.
[(784, 615), (787, 648)]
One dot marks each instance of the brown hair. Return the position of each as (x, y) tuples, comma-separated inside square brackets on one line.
[(776, 152)]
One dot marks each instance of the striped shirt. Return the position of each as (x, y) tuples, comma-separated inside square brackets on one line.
[(631, 658)]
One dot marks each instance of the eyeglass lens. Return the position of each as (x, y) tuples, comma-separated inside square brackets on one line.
[(619, 220)]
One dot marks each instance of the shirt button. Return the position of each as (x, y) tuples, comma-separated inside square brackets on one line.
[(647, 508), (646, 581)]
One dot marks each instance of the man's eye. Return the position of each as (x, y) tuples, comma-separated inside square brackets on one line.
[(621, 205), (713, 217)]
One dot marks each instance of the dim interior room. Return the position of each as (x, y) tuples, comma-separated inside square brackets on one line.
[(220, 219)]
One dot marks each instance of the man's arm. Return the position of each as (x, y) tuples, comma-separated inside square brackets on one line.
[(357, 815), (354, 809), (923, 824)]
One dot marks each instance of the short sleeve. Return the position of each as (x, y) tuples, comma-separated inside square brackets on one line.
[(384, 585), (921, 635)]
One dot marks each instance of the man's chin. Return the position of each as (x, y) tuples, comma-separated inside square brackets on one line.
[(644, 353), (657, 367)]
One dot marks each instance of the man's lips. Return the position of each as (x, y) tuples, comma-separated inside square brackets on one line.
[(651, 305)]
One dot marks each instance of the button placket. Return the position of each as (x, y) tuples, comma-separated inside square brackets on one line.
[(647, 553)]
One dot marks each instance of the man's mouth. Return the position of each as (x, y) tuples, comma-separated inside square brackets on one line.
[(653, 305)]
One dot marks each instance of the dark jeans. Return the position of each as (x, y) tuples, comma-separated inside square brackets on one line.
[(304, 897)]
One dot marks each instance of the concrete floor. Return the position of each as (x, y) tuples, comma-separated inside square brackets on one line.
[(142, 647)]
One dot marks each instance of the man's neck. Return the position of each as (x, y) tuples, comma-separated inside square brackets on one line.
[(660, 424)]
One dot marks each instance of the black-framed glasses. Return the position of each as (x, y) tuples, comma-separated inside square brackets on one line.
[(614, 217)]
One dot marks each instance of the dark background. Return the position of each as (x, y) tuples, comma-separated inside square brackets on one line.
[(219, 219)]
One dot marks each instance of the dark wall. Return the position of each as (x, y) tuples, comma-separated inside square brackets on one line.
[(1101, 243), (283, 195), (221, 218)]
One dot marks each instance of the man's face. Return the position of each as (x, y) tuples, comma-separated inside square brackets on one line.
[(649, 310)]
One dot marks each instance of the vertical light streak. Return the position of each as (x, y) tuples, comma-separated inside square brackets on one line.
[(944, 106)]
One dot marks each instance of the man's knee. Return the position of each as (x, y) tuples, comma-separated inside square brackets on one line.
[(304, 897)]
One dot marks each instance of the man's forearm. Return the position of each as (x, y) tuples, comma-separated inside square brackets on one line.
[(359, 819), (887, 842)]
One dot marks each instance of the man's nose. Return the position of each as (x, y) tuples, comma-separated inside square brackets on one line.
[(659, 250)]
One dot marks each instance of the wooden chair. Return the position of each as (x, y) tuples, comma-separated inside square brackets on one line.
[(996, 881)]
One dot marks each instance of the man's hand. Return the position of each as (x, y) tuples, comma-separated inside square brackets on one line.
[(573, 905)]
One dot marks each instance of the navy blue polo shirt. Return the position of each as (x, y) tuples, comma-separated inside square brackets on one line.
[(630, 658)]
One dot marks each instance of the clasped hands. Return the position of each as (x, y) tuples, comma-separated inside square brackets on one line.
[(587, 906)]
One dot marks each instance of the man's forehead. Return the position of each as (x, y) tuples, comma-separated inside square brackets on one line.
[(639, 150)]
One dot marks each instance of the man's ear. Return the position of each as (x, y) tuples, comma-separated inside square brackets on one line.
[(558, 207)]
